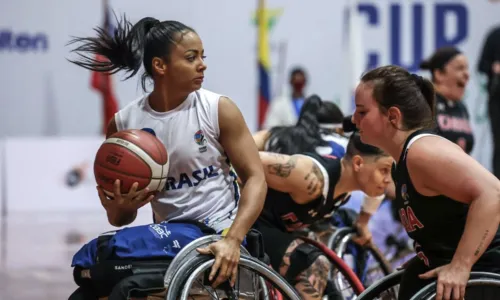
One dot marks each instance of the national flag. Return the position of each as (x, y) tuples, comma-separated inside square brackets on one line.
[(264, 61), (102, 82)]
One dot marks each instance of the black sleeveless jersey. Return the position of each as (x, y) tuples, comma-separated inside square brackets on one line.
[(281, 211), (436, 223), (453, 122)]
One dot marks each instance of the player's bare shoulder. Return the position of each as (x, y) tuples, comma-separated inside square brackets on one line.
[(298, 175)]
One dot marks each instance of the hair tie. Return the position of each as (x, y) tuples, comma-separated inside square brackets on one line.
[(419, 80), (330, 126)]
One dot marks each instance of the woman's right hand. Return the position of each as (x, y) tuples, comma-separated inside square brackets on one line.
[(129, 202)]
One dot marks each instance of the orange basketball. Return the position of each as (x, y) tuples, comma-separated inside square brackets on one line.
[(131, 156)]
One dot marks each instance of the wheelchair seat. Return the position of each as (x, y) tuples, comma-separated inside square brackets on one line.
[(119, 279)]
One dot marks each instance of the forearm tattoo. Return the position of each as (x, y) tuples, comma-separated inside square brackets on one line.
[(481, 243), (283, 169), (315, 180)]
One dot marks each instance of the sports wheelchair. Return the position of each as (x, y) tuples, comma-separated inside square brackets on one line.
[(368, 263), (386, 288), (355, 267), (183, 277), (117, 278)]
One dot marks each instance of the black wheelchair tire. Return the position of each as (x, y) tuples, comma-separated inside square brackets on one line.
[(384, 284), (177, 284)]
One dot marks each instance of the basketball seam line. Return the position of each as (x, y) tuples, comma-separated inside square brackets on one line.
[(145, 162), (162, 165), (159, 150), (147, 152), (123, 173), (136, 136)]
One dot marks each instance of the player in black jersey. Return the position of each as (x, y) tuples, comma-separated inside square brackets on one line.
[(450, 73), (448, 203), (303, 189), (319, 129)]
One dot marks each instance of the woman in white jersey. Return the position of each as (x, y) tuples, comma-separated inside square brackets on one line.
[(204, 133)]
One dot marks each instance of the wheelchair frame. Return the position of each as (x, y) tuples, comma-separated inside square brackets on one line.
[(188, 263), (339, 242)]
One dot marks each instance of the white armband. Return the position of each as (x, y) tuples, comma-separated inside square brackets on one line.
[(371, 204)]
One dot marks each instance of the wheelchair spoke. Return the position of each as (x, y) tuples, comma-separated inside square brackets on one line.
[(254, 281)]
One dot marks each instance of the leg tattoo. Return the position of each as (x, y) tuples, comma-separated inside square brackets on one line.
[(311, 283), (285, 263)]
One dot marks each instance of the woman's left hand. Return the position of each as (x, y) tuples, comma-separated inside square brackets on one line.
[(227, 257), (451, 281)]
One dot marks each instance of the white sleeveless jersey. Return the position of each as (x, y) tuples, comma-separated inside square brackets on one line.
[(201, 184)]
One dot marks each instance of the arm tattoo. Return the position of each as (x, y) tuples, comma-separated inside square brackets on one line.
[(276, 155), (478, 249), (315, 179), (283, 169)]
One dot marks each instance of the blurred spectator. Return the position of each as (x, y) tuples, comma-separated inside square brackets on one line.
[(450, 74), (285, 110), (489, 64)]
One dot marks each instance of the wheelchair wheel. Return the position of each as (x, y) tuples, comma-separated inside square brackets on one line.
[(368, 263), (384, 289), (255, 281), (477, 282), (337, 235), (377, 263)]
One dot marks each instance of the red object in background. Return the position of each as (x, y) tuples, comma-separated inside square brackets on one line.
[(102, 82)]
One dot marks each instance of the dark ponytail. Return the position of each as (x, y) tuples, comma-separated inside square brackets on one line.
[(393, 86), (427, 89), (308, 115), (305, 136), (128, 46)]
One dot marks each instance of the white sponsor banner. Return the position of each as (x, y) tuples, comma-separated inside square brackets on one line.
[(2, 179), (52, 175), (52, 201), (3, 205), (57, 236)]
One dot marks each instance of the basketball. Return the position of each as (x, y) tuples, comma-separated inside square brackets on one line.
[(131, 156)]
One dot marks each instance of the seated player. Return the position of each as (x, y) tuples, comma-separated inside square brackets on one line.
[(448, 203), (204, 133), (320, 129), (304, 189)]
